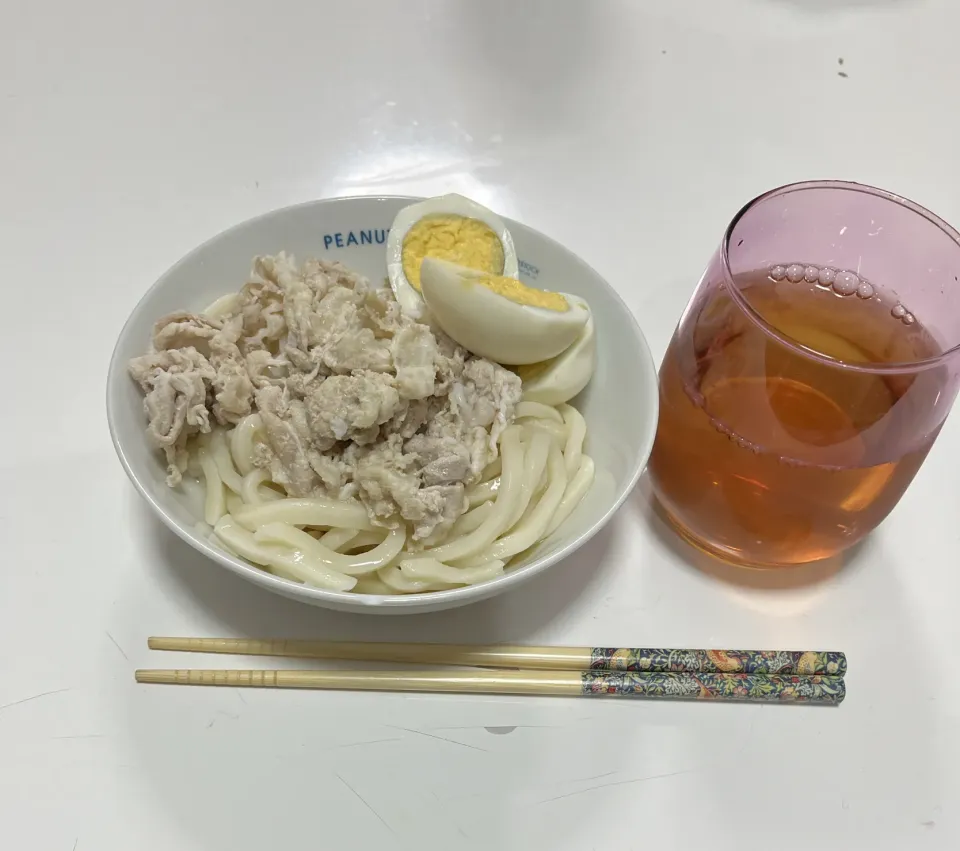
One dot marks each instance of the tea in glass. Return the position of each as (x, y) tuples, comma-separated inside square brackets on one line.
[(810, 374)]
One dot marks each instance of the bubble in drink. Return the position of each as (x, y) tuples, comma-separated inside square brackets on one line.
[(795, 273), (846, 283)]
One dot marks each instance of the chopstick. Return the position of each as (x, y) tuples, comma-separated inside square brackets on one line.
[(821, 689), (648, 660)]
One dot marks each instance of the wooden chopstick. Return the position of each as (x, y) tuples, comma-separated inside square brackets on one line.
[(650, 660), (704, 686)]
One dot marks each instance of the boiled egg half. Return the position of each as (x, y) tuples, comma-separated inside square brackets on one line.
[(498, 317), (449, 227), (556, 381)]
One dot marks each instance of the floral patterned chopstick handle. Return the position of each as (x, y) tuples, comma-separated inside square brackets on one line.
[(806, 662), (790, 688)]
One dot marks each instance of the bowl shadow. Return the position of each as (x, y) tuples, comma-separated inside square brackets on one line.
[(648, 507)]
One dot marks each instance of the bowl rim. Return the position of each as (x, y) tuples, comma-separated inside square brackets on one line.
[(346, 599)]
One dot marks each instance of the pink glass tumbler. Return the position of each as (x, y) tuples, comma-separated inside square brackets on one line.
[(810, 373)]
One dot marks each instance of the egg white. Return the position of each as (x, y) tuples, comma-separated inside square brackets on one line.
[(491, 325), (568, 373), (406, 294)]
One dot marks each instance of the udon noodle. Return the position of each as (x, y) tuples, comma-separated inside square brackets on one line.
[(523, 496)]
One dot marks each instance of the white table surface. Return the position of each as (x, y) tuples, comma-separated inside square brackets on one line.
[(630, 131)]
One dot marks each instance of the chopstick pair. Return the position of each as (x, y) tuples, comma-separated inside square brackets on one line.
[(752, 675)]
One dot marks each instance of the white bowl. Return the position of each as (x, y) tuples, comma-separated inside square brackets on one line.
[(619, 405)]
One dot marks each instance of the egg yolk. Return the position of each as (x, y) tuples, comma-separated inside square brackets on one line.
[(520, 293), (461, 240)]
